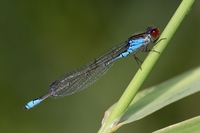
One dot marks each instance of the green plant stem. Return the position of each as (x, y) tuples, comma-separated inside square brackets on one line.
[(148, 64)]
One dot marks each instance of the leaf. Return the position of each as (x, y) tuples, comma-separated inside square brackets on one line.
[(150, 100), (188, 126)]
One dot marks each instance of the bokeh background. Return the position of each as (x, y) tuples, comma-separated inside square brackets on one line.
[(42, 40)]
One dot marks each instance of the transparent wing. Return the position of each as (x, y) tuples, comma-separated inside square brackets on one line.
[(84, 76)]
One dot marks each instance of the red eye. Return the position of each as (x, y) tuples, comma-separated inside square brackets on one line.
[(155, 32)]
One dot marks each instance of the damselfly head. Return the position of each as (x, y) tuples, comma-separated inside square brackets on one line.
[(153, 31)]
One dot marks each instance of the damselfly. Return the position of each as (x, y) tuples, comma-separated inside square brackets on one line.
[(87, 74)]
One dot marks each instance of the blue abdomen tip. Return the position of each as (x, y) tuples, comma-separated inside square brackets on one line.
[(32, 103)]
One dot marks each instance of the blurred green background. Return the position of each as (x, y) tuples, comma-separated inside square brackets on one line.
[(42, 40)]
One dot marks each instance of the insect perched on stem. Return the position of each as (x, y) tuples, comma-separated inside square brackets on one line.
[(87, 74)]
